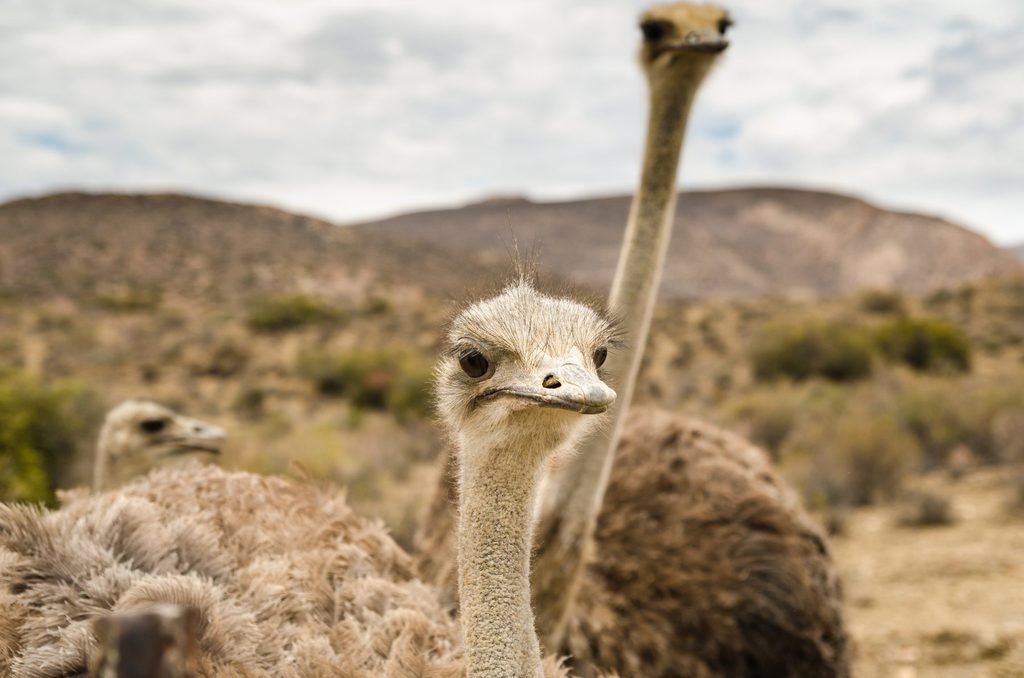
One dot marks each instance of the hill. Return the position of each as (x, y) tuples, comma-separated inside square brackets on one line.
[(728, 243), (738, 243), (1017, 250), (80, 245)]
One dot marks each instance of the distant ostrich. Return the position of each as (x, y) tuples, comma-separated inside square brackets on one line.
[(139, 435), (701, 562), (287, 579), (681, 43)]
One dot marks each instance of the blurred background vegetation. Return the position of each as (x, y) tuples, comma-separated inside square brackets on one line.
[(850, 396)]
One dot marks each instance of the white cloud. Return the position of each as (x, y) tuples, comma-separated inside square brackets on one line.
[(354, 108)]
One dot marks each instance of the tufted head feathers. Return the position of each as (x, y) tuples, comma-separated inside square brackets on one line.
[(524, 359)]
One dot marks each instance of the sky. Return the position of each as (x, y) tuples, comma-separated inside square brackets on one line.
[(351, 109)]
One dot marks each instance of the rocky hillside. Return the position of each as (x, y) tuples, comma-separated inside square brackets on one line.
[(85, 245), (734, 243), (729, 243), (1018, 250)]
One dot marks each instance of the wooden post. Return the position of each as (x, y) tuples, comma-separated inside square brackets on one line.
[(154, 642)]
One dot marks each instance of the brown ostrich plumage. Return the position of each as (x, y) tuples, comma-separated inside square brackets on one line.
[(703, 563)]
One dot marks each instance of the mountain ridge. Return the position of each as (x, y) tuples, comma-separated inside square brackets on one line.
[(764, 241), (741, 242)]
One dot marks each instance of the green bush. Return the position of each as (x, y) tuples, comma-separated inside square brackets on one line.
[(381, 379), (882, 302), (129, 300), (282, 313), (40, 430), (926, 345), (812, 348), (249, 402)]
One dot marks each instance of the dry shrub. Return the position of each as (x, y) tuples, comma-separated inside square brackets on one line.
[(1017, 493), (981, 412), (250, 402), (1008, 433), (836, 521), (925, 509), (853, 443), (227, 359), (770, 414), (859, 455), (128, 299)]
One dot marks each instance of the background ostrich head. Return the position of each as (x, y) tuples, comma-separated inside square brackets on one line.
[(139, 435), (524, 363), (682, 40)]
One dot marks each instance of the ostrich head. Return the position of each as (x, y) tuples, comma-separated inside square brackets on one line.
[(139, 435), (524, 364), (518, 371), (682, 41)]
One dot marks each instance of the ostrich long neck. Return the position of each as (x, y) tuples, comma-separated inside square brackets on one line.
[(497, 488), (573, 495)]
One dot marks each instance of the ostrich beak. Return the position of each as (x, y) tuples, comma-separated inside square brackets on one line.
[(567, 387), (702, 41), (194, 435)]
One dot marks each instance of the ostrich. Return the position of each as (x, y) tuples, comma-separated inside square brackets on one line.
[(139, 435), (681, 43), (697, 561), (287, 580)]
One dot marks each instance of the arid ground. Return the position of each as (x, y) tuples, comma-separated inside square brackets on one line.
[(938, 601)]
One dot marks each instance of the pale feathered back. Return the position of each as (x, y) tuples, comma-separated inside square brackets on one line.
[(288, 580)]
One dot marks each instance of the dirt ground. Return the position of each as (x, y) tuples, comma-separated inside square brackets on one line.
[(944, 601)]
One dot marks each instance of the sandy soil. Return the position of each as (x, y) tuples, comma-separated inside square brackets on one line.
[(938, 601)]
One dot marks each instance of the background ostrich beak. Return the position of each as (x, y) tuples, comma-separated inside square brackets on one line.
[(198, 435), (566, 387), (703, 41)]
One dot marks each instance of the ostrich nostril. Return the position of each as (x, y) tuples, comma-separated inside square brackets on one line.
[(551, 381)]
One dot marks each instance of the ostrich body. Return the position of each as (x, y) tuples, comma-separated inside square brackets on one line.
[(704, 565), (698, 561), (139, 435), (288, 581)]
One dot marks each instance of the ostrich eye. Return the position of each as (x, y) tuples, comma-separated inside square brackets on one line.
[(653, 30), (723, 24), (474, 364), (153, 425), (600, 355)]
